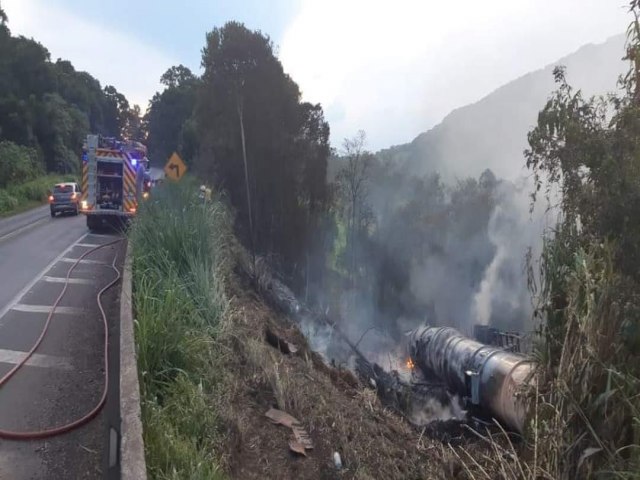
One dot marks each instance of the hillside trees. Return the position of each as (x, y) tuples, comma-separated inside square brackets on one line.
[(50, 107), (281, 187)]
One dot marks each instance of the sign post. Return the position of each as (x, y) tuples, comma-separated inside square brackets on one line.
[(175, 167)]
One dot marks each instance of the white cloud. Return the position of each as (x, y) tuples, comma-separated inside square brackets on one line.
[(397, 68), (112, 56)]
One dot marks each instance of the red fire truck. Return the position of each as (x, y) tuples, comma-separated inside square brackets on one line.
[(114, 181)]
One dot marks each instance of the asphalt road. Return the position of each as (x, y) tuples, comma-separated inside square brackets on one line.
[(64, 380)]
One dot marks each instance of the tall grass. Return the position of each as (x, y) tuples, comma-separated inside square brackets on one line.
[(589, 404), (179, 261), (585, 409)]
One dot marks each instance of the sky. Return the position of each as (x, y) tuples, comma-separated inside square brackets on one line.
[(391, 68)]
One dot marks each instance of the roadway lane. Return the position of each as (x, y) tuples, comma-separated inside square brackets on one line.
[(63, 381), (16, 222)]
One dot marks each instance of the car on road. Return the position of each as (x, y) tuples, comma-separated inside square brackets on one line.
[(65, 197)]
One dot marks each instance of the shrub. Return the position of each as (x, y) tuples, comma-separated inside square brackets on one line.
[(18, 164), (7, 202)]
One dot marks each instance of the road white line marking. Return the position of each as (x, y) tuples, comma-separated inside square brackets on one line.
[(35, 280), (23, 307), (102, 235), (36, 360), (76, 281), (84, 261), (91, 245)]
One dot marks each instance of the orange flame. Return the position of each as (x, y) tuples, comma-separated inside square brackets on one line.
[(410, 365)]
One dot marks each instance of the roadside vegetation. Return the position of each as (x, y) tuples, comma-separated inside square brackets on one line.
[(179, 262), (24, 182), (20, 197)]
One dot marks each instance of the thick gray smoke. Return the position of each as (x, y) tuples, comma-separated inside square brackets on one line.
[(503, 299), (476, 272), (448, 254)]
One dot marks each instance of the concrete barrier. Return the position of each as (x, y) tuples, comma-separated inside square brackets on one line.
[(132, 461)]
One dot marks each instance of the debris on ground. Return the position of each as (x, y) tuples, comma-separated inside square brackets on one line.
[(337, 461), (297, 447), (282, 418), (302, 437)]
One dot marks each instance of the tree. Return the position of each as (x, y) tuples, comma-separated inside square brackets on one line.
[(118, 110), (3, 16), (352, 178), (85, 93), (49, 106), (60, 130), (177, 76), (135, 126), (487, 180), (169, 118), (262, 145)]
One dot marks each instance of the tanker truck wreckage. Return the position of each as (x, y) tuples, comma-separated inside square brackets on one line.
[(489, 378), (448, 381)]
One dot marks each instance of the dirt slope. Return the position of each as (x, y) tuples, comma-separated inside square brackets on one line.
[(336, 411)]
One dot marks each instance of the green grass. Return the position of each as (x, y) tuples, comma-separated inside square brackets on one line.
[(22, 207), (178, 264), (18, 198)]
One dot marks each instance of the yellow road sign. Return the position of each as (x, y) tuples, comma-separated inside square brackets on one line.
[(175, 167)]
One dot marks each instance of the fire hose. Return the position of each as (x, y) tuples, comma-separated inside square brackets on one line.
[(51, 432), (490, 377)]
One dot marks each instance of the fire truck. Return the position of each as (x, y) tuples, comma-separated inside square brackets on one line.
[(115, 180)]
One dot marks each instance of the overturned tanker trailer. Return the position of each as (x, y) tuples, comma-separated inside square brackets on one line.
[(490, 378)]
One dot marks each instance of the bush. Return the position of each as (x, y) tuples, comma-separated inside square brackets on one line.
[(18, 164), (7, 202), (38, 189)]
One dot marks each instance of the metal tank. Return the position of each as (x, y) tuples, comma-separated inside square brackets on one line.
[(490, 377)]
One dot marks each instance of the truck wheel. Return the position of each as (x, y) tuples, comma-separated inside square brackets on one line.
[(53, 214), (91, 223), (76, 211)]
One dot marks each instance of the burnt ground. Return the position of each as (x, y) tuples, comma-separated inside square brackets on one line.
[(338, 412)]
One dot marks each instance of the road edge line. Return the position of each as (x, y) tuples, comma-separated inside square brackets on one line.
[(22, 229), (132, 460)]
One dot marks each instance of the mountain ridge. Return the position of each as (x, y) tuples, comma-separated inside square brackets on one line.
[(492, 132)]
